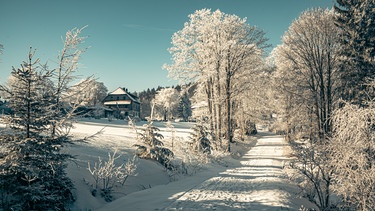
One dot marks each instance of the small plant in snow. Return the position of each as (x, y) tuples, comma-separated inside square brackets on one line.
[(199, 138), (189, 163), (106, 174), (152, 147)]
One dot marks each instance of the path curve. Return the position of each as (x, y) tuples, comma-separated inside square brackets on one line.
[(259, 183)]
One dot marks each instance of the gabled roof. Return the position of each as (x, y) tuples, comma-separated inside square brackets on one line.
[(121, 91), (118, 91)]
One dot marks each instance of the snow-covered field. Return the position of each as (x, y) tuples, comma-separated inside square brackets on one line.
[(254, 181), (114, 135)]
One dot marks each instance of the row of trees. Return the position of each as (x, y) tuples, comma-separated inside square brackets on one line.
[(223, 55), (167, 102), (324, 70)]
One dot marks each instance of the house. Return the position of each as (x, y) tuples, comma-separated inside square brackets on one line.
[(121, 104)]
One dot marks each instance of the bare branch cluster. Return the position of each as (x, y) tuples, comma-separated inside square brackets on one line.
[(107, 174)]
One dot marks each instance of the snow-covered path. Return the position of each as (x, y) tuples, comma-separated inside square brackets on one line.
[(257, 183)]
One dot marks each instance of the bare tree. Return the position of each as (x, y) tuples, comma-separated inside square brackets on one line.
[(64, 75)]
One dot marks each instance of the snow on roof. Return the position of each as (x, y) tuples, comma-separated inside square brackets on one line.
[(121, 91), (118, 102), (118, 91)]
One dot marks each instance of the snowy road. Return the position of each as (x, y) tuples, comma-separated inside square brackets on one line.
[(257, 183)]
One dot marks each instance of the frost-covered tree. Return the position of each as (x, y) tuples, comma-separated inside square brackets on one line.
[(32, 165), (98, 92), (213, 49), (85, 98), (26, 87), (307, 81), (88, 93), (64, 75), (307, 64), (357, 23), (167, 101)]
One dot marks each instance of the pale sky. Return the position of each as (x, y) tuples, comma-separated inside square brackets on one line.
[(128, 40)]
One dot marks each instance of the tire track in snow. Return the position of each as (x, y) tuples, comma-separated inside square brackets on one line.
[(258, 184)]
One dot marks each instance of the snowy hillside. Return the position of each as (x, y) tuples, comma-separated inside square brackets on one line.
[(115, 135)]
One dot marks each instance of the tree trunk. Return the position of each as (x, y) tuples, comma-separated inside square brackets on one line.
[(218, 103), (229, 134), (208, 92)]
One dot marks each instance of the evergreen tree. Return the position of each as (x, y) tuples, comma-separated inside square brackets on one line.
[(184, 107), (199, 138), (152, 147), (26, 89), (356, 19), (32, 166)]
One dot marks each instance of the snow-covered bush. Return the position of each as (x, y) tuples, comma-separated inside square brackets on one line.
[(353, 155), (189, 162), (107, 174), (313, 172), (199, 139), (32, 175), (151, 146)]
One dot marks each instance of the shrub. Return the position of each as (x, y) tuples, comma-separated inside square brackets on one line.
[(199, 139), (106, 174), (151, 146)]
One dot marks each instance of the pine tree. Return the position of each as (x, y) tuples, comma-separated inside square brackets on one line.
[(356, 19), (152, 147), (32, 166), (199, 138), (27, 89), (184, 107)]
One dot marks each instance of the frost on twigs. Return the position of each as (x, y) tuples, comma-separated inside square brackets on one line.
[(107, 174), (187, 162), (313, 173), (353, 155)]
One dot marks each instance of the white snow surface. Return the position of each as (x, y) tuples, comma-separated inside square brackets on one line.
[(255, 181)]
